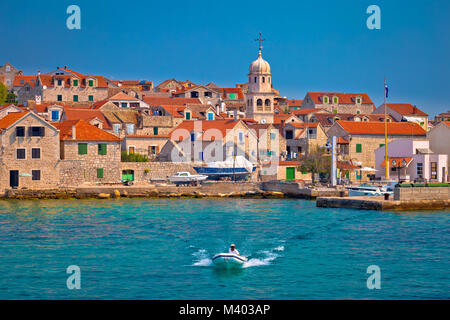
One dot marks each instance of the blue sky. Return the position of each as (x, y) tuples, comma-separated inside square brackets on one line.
[(311, 45)]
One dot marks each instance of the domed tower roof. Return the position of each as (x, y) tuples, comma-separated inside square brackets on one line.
[(259, 65)]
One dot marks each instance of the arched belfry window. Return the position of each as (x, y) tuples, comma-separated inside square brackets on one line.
[(259, 102), (267, 103), (263, 79), (255, 80)]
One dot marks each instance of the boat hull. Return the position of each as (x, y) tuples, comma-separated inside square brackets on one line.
[(224, 173), (228, 260)]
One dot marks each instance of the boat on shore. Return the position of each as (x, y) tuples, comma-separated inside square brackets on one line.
[(233, 168), (228, 260), (187, 178)]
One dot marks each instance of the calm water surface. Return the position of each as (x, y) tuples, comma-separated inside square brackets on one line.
[(161, 249)]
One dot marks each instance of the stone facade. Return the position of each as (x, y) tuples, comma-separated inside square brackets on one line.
[(355, 103), (7, 74), (44, 158), (421, 193), (77, 169), (145, 172)]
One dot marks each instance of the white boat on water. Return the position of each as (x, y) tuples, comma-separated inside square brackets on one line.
[(228, 260), (367, 190), (185, 177)]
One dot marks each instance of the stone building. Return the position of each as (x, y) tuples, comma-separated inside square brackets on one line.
[(302, 137), (365, 137), (89, 155), (260, 96), (439, 138), (6, 109), (404, 112), (7, 75), (29, 152), (209, 141), (339, 102), (61, 85)]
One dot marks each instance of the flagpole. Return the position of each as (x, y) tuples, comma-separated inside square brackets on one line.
[(385, 135)]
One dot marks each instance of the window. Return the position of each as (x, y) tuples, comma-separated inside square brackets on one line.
[(99, 173), (130, 128), (82, 148), (35, 153), (116, 127), (55, 115), (358, 100), (8, 68), (335, 100), (255, 79), (241, 136), (381, 145), (263, 79), (152, 151), (59, 97), (35, 174), (102, 149), (208, 94), (335, 111), (358, 111), (124, 105), (210, 116), (289, 134), (130, 150), (75, 98), (193, 136), (273, 135), (267, 103), (91, 83), (60, 82), (37, 131), (188, 116), (325, 99), (90, 97), (155, 131), (419, 168), (358, 148), (21, 153), (20, 131), (75, 83), (232, 96), (259, 102), (194, 94)]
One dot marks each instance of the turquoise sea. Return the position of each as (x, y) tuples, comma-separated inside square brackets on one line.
[(161, 249)]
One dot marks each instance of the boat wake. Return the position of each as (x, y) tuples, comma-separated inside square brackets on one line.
[(263, 258)]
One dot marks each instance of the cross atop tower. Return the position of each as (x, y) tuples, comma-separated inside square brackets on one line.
[(260, 40)]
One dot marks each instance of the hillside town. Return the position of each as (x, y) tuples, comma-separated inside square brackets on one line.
[(64, 128)]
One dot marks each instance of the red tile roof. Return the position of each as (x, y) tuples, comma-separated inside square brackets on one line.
[(84, 132), (343, 98), (25, 79), (295, 103), (299, 112), (406, 109), (86, 115), (374, 127), (122, 97), (227, 90), (148, 136), (10, 118), (159, 101), (209, 128)]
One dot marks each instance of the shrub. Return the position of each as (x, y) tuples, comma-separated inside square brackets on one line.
[(133, 157)]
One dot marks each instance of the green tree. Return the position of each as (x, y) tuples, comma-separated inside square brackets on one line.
[(3, 93), (11, 98), (316, 161)]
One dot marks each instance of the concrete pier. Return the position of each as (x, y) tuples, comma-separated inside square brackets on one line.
[(378, 203)]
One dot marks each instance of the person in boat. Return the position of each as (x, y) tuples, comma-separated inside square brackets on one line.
[(233, 250)]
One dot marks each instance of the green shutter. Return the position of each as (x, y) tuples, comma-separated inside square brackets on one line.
[(102, 149), (381, 145), (99, 173), (232, 96), (82, 148), (91, 83), (75, 98), (155, 131), (188, 116), (358, 148), (91, 98), (75, 83)]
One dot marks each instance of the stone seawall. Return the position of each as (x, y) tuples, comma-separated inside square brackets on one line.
[(297, 190), (422, 193), (146, 171), (219, 189)]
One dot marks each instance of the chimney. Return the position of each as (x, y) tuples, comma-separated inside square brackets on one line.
[(74, 132), (39, 72), (218, 109)]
